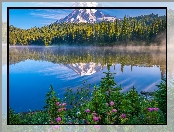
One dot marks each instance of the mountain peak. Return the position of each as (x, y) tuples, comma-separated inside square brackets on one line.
[(86, 15), (85, 68)]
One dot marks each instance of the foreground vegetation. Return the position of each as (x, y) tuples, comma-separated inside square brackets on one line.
[(112, 128), (106, 105), (144, 28)]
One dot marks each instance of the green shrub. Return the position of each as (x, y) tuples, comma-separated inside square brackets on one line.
[(161, 96), (13, 117), (106, 105)]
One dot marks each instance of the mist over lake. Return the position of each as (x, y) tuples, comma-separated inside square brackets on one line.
[(33, 69)]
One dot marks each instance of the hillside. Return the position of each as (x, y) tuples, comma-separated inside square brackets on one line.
[(132, 29)]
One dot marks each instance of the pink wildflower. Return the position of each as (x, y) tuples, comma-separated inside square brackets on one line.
[(112, 103), (95, 118), (114, 110), (64, 104), (58, 119), (123, 115), (87, 110), (155, 109), (57, 103), (150, 109), (60, 109)]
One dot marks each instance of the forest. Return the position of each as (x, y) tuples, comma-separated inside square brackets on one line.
[(130, 30)]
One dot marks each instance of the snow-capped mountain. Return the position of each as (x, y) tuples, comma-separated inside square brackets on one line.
[(85, 68), (86, 15)]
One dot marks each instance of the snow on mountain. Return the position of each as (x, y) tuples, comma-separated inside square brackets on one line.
[(85, 68), (86, 15)]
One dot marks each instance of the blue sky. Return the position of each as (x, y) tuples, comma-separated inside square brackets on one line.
[(27, 18), (30, 18)]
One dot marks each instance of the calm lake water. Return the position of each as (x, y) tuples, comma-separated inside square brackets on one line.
[(33, 69)]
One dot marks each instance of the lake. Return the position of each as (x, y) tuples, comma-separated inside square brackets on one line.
[(32, 69)]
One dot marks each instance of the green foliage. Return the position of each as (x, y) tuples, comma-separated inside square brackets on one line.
[(104, 94), (76, 99), (51, 107), (161, 96), (106, 105), (131, 103), (132, 29), (13, 118), (134, 106), (35, 117)]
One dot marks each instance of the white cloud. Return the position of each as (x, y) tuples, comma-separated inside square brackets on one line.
[(51, 14), (46, 23), (44, 15)]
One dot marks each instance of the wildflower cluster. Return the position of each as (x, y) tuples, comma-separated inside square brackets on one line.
[(153, 109), (61, 111), (107, 105)]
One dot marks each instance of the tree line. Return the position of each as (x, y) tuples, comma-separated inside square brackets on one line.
[(143, 28), (99, 56)]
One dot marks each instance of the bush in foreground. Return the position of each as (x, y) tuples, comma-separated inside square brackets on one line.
[(106, 105)]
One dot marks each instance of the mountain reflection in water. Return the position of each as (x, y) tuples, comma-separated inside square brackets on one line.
[(33, 69)]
